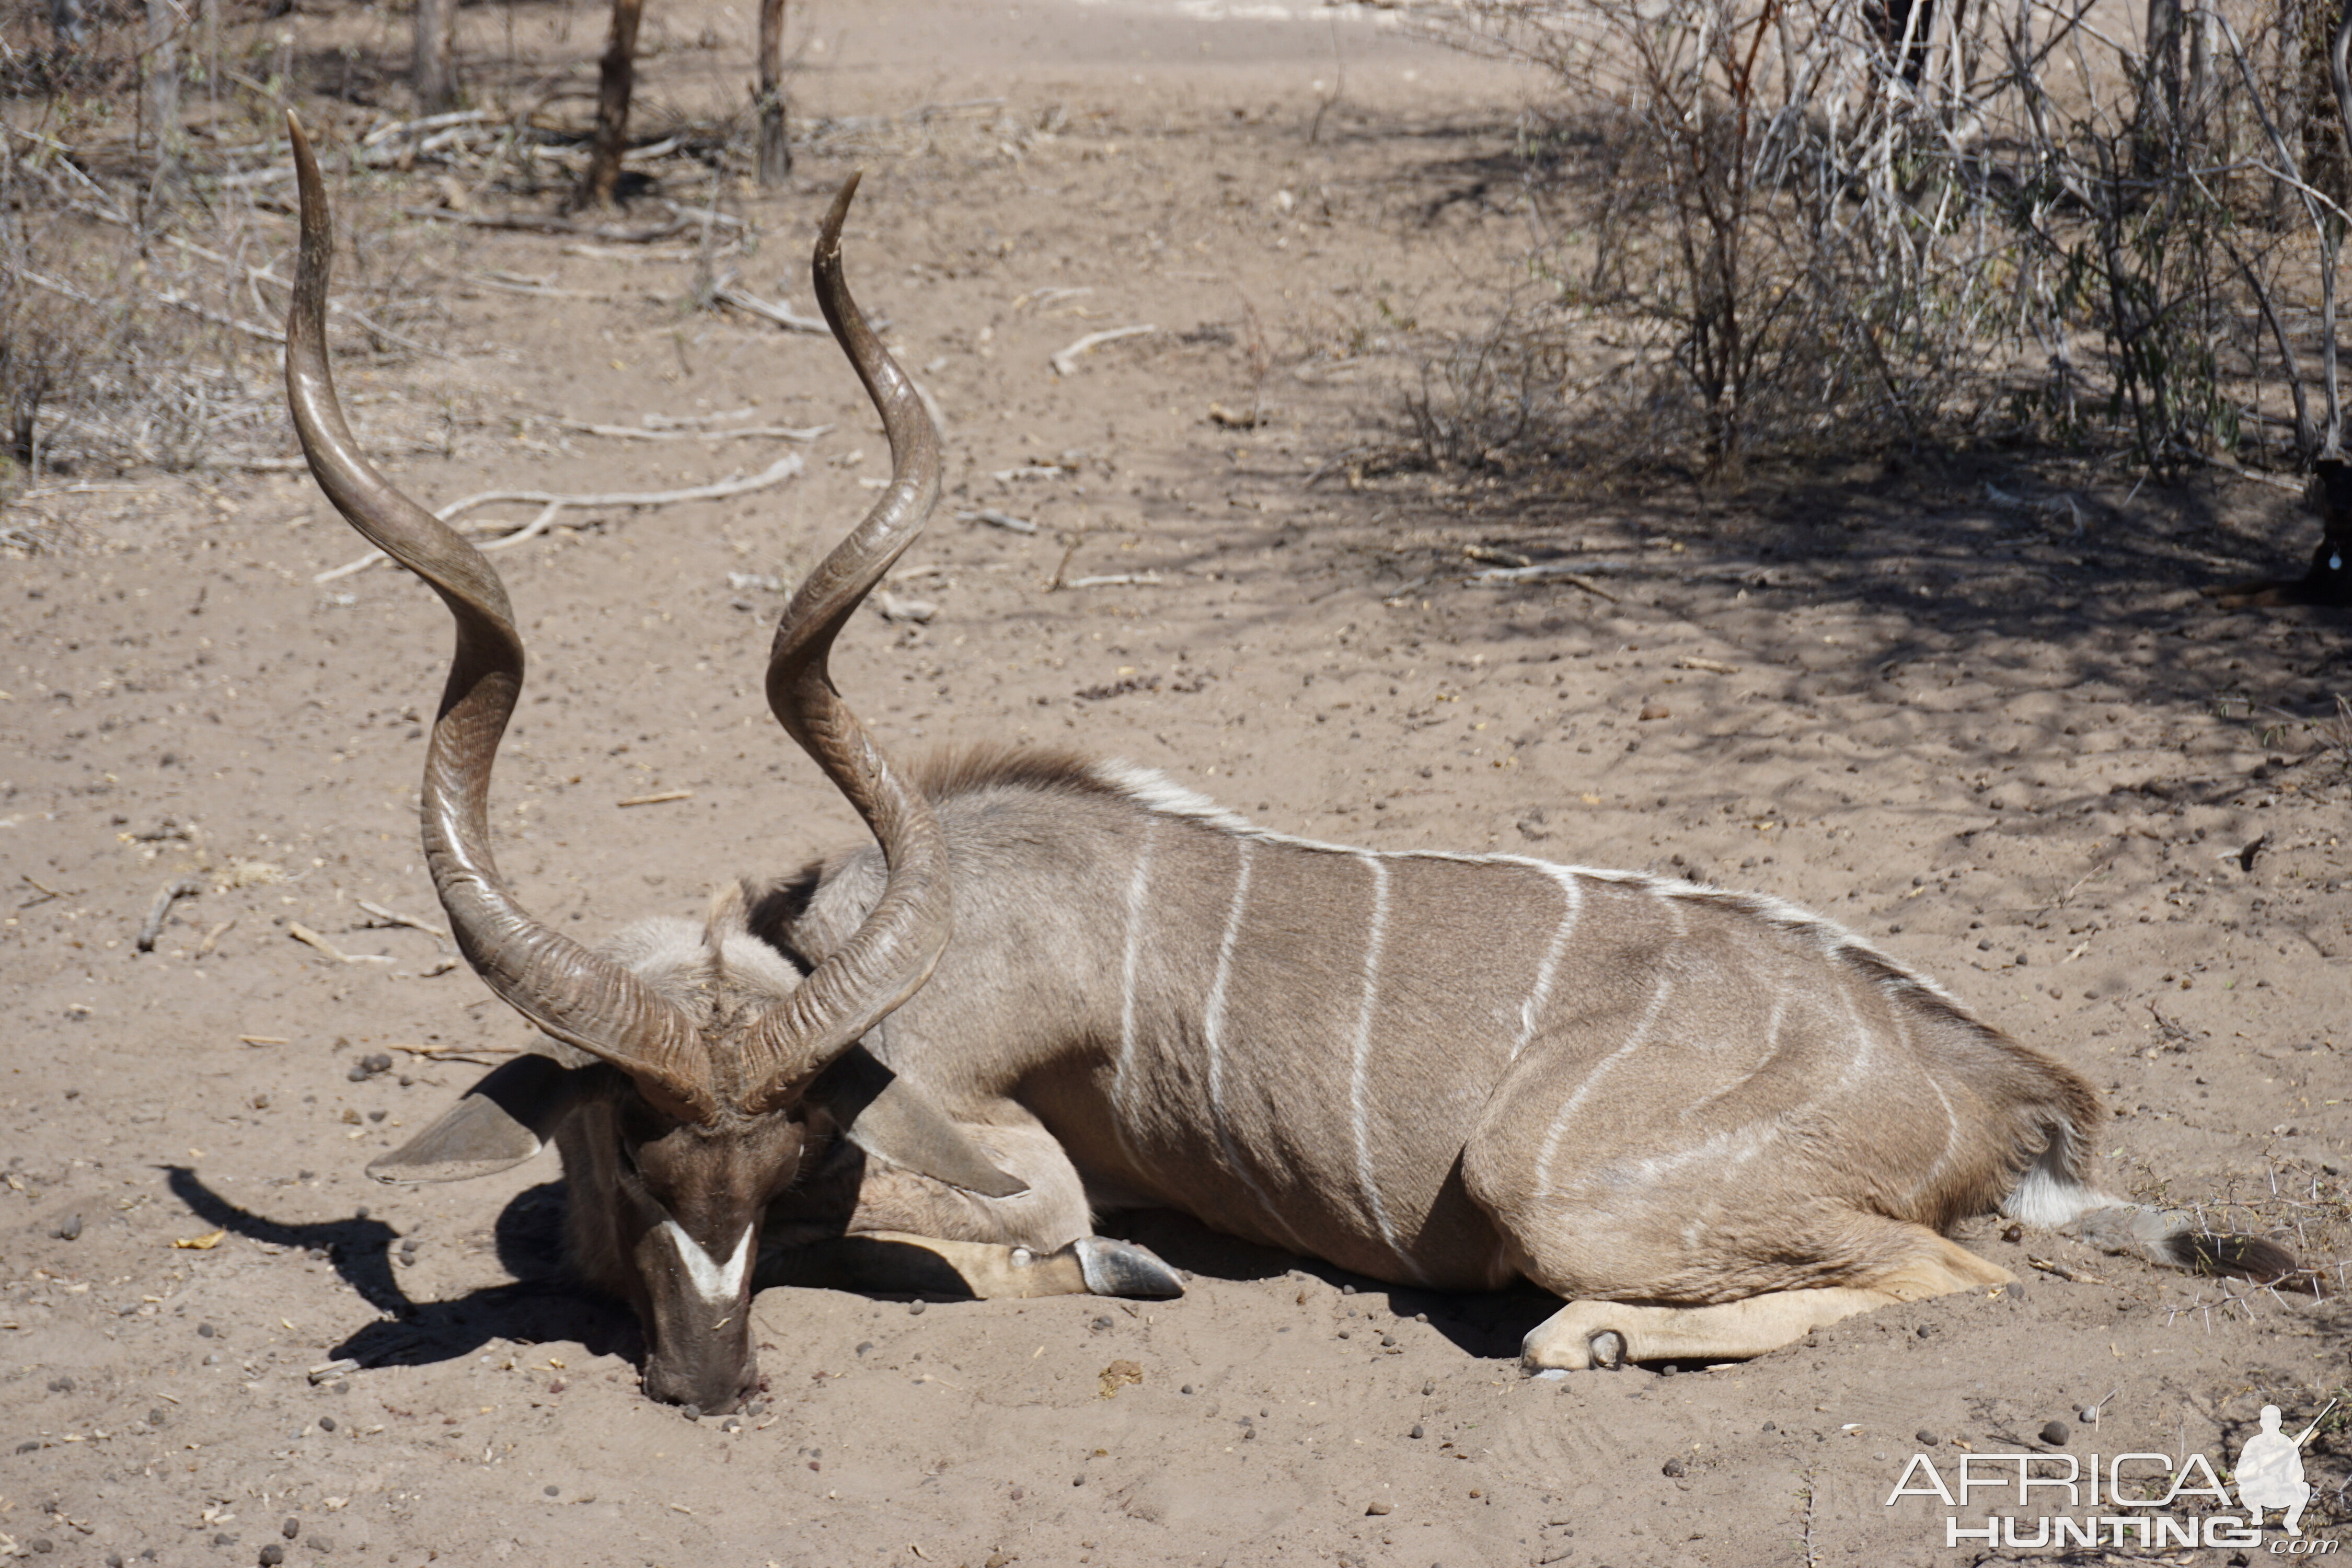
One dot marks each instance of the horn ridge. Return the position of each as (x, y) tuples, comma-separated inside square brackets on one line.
[(573, 995), (888, 959)]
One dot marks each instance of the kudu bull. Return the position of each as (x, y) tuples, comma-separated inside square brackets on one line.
[(1707, 1120)]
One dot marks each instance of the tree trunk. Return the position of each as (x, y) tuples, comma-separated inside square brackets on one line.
[(432, 68), (775, 148), (619, 77), (160, 104)]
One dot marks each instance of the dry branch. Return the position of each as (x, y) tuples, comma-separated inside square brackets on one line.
[(782, 469), (782, 315), (1066, 362), (161, 911)]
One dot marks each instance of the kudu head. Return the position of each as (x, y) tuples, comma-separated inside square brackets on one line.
[(687, 1089)]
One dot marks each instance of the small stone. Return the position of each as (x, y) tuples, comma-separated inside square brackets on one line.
[(1377, 1507), (1771, 1426), (552, 1491), (691, 1412), (865, 1346), (205, 1330), (1428, 1386), (915, 1309), (114, 1559), (28, 1447), (42, 1545), (72, 1229), (61, 1386), (1077, 1480), (155, 1416), (2055, 1433), (1927, 1439), (1417, 1431), (272, 1554), (326, 1423), (1672, 1468), (290, 1529), (1186, 1389), (223, 1538), (322, 1544), (1017, 1494), (2012, 1233)]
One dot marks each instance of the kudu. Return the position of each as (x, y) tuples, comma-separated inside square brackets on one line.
[(1709, 1120)]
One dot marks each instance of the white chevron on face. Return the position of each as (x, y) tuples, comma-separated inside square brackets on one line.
[(721, 1284)]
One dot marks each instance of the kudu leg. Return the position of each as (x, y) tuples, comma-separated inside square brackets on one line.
[(1585, 1334), (897, 1261), (910, 1233)]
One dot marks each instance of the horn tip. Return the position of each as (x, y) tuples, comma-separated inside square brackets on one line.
[(828, 241)]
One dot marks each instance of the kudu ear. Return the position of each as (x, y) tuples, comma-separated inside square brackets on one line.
[(889, 1117), (502, 1122)]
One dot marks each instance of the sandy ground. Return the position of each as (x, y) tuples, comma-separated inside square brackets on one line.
[(2011, 747)]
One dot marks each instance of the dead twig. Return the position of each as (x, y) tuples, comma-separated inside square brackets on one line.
[(681, 219), (632, 433), (995, 519), (782, 469), (767, 311), (161, 909), (460, 1052), (212, 937), (658, 797), (1066, 362), (45, 891), (310, 938), (394, 917)]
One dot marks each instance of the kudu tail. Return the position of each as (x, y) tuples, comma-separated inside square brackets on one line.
[(2054, 1193)]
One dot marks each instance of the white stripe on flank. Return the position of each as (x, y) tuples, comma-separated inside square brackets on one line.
[(1212, 1035), (721, 1284), (1138, 887), (1532, 1008), (1360, 1061), (1658, 996)]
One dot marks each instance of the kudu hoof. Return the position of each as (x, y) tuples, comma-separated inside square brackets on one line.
[(1123, 1268), (1607, 1350)]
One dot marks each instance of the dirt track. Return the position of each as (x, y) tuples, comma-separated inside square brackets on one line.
[(2017, 753)]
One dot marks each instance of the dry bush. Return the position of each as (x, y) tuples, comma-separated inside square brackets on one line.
[(1850, 221)]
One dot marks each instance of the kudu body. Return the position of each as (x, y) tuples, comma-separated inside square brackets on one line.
[(1708, 1120)]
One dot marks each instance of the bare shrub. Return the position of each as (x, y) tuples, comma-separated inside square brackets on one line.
[(1870, 219)]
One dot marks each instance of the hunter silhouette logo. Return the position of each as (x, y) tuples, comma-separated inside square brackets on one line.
[(2270, 1470)]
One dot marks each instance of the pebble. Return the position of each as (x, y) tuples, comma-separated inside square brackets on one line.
[(205, 1330), (61, 1386), (326, 1424), (552, 1491), (1672, 1468), (1186, 1389), (1377, 1507), (155, 1416), (1428, 1386), (1416, 1431), (290, 1529), (42, 1545), (865, 1346), (28, 1447), (1772, 1425), (1927, 1439), (1077, 1480), (272, 1554), (2056, 1433), (71, 1230), (915, 1309)]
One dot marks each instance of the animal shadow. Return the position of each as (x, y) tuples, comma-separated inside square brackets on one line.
[(538, 1306), (1484, 1323)]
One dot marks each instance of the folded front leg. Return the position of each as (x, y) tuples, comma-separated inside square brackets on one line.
[(902, 1263)]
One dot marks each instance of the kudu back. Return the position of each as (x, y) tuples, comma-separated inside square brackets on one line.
[(1054, 986)]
